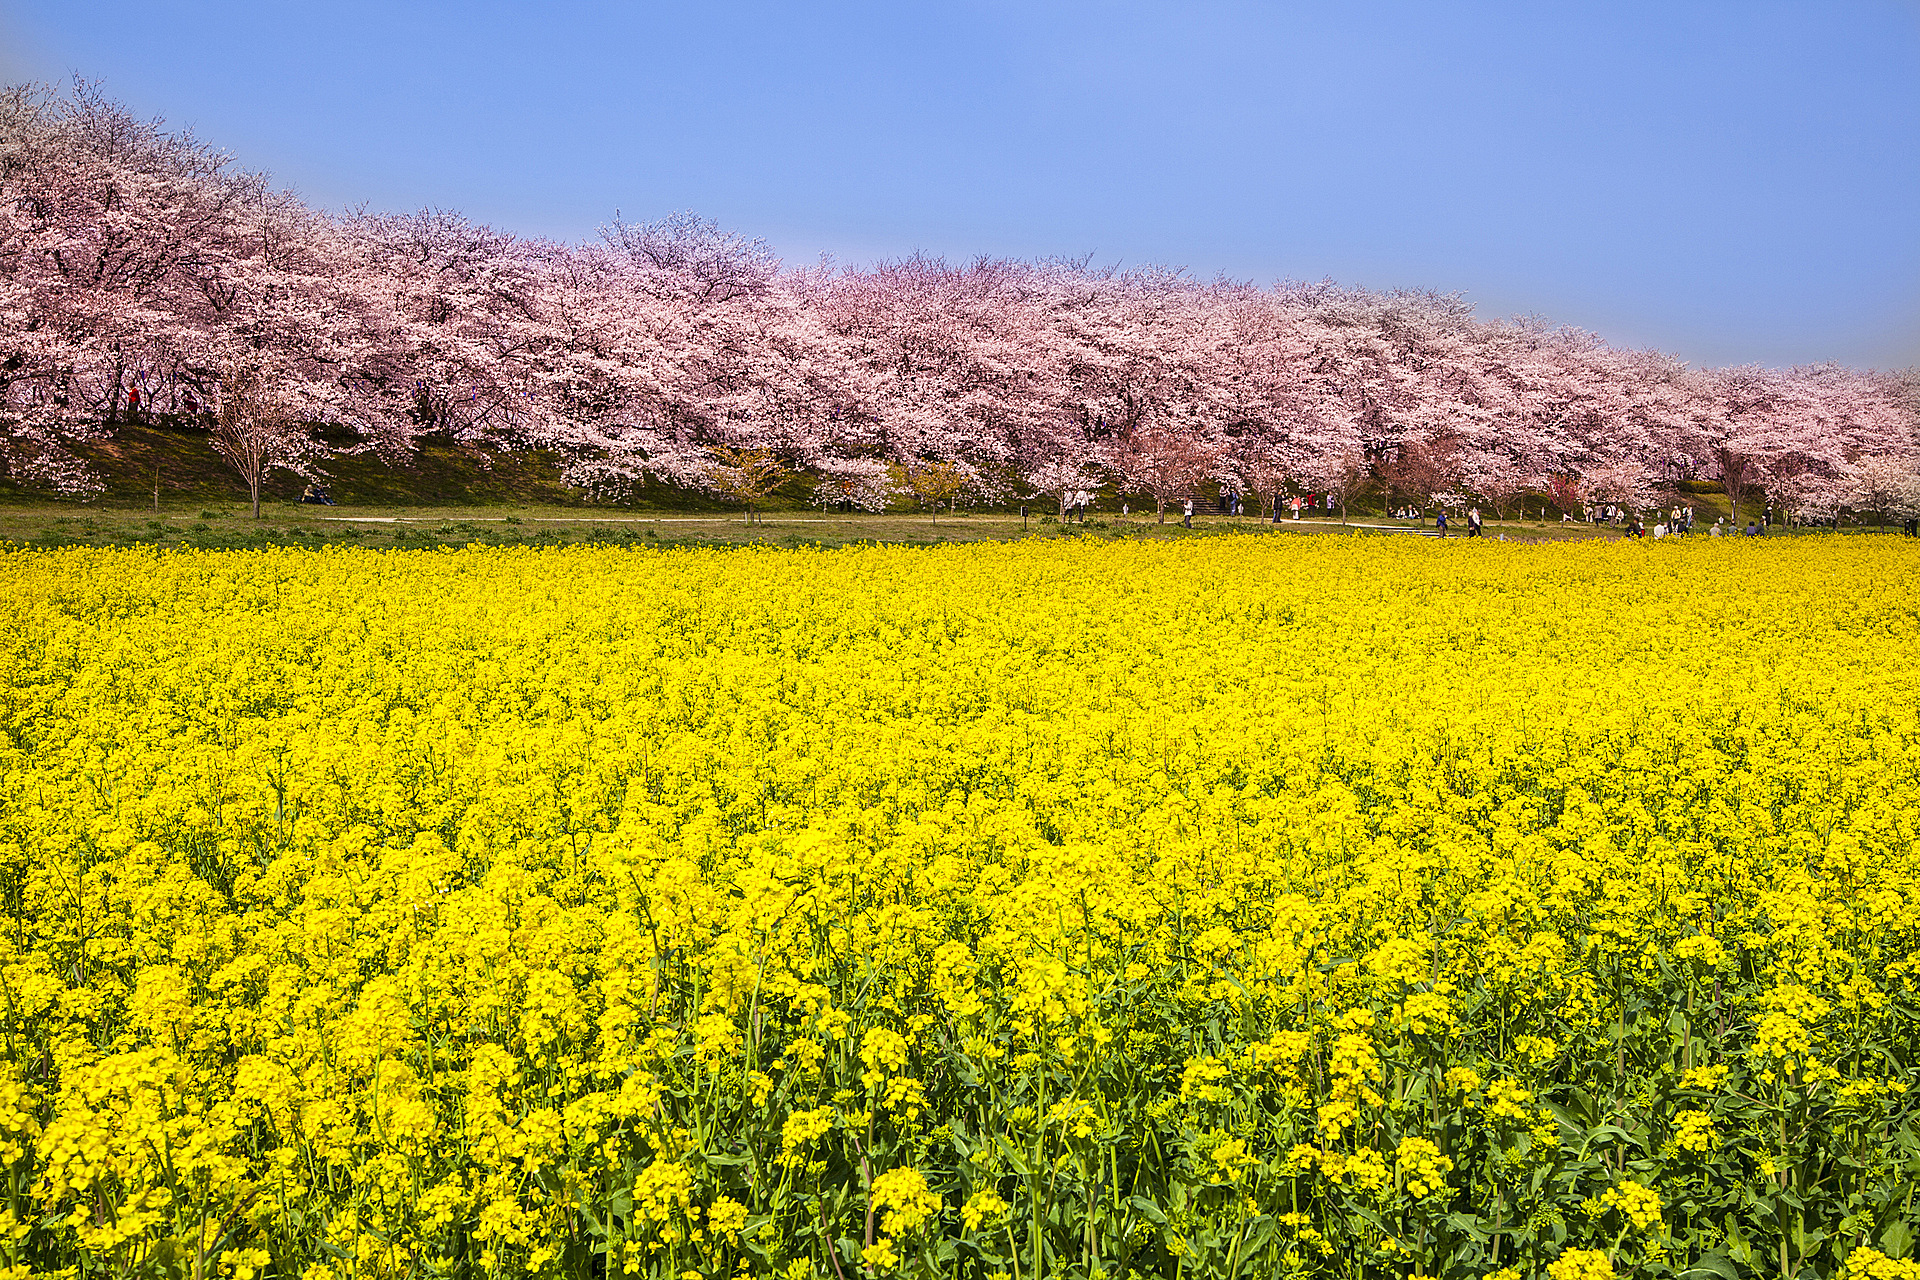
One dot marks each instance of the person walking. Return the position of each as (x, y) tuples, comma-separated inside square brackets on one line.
[(1474, 529), (1440, 523), (1186, 514)]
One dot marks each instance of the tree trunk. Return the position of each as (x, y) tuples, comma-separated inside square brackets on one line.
[(1160, 508), (1732, 479)]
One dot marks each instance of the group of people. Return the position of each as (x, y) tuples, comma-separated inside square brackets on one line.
[(1673, 523), (1475, 529), (1233, 503), (1678, 521)]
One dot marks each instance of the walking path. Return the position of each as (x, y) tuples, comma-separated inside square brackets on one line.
[(580, 520), (1296, 525), (1389, 528)]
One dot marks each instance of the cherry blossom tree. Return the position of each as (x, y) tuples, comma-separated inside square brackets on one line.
[(861, 484), (1624, 484), (1340, 475), (453, 323), (255, 430), (113, 232), (1742, 421), (1165, 464), (142, 271), (1424, 472), (1887, 485), (1060, 478), (141, 266), (1264, 472)]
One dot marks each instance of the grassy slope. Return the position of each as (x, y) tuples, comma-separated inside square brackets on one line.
[(449, 495), (192, 474)]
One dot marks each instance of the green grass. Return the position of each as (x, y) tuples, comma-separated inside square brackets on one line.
[(231, 525), (438, 475), (448, 496)]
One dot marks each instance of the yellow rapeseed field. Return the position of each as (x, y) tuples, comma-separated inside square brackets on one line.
[(1251, 907)]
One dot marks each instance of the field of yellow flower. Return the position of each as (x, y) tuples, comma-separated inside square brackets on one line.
[(1243, 908)]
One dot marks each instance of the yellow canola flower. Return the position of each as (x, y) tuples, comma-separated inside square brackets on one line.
[(1870, 1264), (1581, 1264), (1420, 1167), (1694, 1131), (906, 1199), (376, 914), (1641, 1205), (982, 1206)]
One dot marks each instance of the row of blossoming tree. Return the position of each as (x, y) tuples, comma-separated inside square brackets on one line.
[(143, 272)]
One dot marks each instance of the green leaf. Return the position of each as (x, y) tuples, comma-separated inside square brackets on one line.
[(1897, 1240), (1805, 1242), (1713, 1264), (1737, 1245), (1257, 1237), (1148, 1210)]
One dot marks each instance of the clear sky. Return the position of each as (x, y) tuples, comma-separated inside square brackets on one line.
[(1727, 181)]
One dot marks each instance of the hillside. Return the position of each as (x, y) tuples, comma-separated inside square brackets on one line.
[(438, 474)]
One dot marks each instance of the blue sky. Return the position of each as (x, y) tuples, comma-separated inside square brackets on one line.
[(1726, 181)]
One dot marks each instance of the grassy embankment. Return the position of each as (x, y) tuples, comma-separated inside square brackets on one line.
[(445, 495)]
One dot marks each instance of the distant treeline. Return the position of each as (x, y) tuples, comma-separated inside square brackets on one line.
[(143, 273)]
